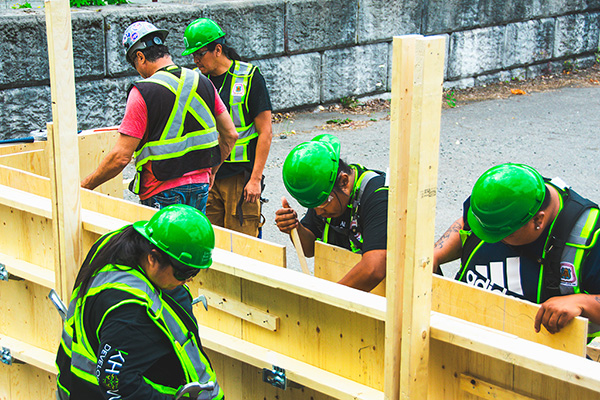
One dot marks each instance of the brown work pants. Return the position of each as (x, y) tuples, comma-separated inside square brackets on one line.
[(222, 202)]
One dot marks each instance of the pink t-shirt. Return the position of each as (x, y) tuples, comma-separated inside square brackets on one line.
[(135, 124)]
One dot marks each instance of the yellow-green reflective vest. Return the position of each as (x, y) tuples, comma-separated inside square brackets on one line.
[(238, 93), (174, 142), (83, 357)]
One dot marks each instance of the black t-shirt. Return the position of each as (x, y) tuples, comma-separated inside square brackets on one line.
[(371, 222), (257, 101), (515, 270)]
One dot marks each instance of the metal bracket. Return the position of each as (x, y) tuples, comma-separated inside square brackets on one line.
[(5, 275), (275, 377), (60, 306), (5, 356)]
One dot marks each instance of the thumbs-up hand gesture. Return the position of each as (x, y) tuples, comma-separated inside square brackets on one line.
[(286, 218)]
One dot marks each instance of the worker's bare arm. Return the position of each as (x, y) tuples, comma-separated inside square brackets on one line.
[(449, 246), (114, 162), (368, 272)]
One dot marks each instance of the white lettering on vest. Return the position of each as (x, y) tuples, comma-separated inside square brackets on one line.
[(116, 361)]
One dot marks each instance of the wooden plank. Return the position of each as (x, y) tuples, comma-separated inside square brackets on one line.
[(488, 391), (414, 141), (25, 181), (24, 201), (29, 354), (63, 147), (94, 145), (24, 381), (332, 263), (241, 310), (28, 271), (556, 364), (13, 148), (34, 161), (299, 372), (504, 313)]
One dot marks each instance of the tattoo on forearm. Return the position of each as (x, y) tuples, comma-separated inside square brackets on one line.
[(597, 298), (454, 228)]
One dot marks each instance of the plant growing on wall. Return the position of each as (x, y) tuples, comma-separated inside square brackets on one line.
[(79, 3)]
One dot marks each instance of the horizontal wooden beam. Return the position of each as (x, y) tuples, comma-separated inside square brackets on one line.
[(321, 290), (26, 270), (241, 310), (29, 354), (516, 351), (488, 391), (296, 371)]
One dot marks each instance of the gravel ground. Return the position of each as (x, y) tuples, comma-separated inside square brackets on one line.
[(554, 131)]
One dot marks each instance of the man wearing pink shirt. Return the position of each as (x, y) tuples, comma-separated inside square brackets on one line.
[(175, 125)]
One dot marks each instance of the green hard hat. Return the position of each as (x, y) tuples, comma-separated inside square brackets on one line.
[(183, 232), (200, 33), (311, 168), (504, 199)]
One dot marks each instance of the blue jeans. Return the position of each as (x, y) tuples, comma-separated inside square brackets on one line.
[(194, 195)]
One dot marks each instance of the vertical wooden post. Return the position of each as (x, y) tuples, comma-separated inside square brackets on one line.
[(63, 147), (417, 78)]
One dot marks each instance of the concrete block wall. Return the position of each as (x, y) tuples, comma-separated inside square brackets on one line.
[(310, 51)]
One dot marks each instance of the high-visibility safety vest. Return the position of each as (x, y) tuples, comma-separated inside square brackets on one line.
[(140, 291), (356, 196), (186, 139), (238, 92)]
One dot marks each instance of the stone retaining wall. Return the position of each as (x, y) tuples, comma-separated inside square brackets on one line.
[(310, 51)]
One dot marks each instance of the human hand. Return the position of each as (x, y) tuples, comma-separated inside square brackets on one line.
[(286, 218), (252, 191), (556, 312)]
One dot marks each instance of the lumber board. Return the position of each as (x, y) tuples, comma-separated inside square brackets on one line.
[(12, 148), (29, 354), (25, 181), (35, 161), (504, 313), (29, 271), (332, 263), (559, 365), (488, 391), (296, 371), (241, 310), (417, 79), (24, 381)]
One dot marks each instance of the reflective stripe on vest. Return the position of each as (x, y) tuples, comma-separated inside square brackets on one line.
[(193, 362), (173, 143), (240, 83)]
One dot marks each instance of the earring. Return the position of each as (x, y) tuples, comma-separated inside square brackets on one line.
[(537, 228)]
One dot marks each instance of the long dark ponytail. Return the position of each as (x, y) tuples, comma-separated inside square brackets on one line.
[(125, 247)]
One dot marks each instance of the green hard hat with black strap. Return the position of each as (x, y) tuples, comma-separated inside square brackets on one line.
[(503, 200), (311, 168), (183, 232), (200, 33)]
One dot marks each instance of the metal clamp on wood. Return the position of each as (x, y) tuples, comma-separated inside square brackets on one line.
[(5, 275), (7, 358), (275, 377)]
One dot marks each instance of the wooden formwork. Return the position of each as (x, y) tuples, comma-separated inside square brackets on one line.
[(333, 342)]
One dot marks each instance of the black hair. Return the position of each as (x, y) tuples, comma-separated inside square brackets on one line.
[(127, 247), (152, 53), (343, 168), (228, 51), (547, 198)]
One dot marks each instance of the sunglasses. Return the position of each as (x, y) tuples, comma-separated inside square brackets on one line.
[(199, 54), (322, 206), (182, 273)]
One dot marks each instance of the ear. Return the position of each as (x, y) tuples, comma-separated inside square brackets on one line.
[(345, 182), (538, 219), (218, 50)]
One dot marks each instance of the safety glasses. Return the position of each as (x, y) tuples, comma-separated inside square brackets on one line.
[(181, 272)]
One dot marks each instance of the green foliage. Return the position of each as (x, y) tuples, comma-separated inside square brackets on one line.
[(80, 3), (349, 102), (24, 5), (339, 121), (450, 99), (570, 66)]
